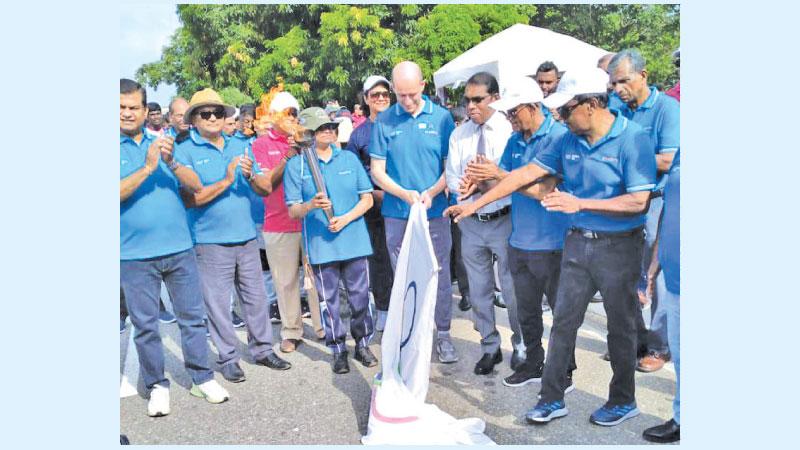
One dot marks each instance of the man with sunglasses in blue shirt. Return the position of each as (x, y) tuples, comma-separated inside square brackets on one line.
[(608, 172)]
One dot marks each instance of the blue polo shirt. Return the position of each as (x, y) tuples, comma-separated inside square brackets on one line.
[(619, 163), (415, 149), (256, 201), (614, 102), (152, 221), (228, 218), (660, 116), (533, 228), (669, 246), (345, 180)]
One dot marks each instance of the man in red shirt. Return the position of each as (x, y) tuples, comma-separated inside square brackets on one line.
[(282, 234)]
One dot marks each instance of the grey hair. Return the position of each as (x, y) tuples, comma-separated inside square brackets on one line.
[(636, 59)]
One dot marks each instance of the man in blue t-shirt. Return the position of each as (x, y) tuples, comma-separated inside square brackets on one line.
[(659, 115), (156, 246), (608, 173), (667, 260), (408, 148)]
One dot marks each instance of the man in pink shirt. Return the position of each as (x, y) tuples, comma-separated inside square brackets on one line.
[(675, 91), (282, 234)]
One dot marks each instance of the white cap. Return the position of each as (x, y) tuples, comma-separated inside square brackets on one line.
[(589, 80), (283, 100), (520, 90), (345, 128), (372, 80)]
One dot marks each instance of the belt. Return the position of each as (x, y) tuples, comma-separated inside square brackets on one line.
[(589, 234), (493, 215)]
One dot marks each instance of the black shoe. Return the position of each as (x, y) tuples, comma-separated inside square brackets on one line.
[(305, 311), (274, 313), (237, 321), (606, 356), (525, 375), (517, 359), (498, 300), (340, 364), (487, 362), (464, 304), (273, 361), (233, 372), (123, 440), (365, 357), (668, 432)]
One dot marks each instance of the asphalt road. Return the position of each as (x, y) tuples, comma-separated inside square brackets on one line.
[(310, 405)]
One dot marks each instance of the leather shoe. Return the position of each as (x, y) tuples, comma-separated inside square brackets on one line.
[(365, 357), (340, 364), (233, 372), (668, 432), (289, 345), (517, 359), (652, 362), (464, 304), (498, 300), (274, 361), (487, 362)]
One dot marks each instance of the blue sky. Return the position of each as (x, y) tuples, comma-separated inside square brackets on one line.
[(144, 30)]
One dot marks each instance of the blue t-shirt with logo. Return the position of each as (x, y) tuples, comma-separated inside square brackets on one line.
[(415, 149), (619, 163), (152, 221), (345, 181), (669, 246), (533, 228), (228, 218)]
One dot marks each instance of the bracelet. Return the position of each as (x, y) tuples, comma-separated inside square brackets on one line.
[(173, 165), (252, 176)]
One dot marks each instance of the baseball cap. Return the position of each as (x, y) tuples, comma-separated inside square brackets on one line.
[(283, 100), (314, 117), (372, 80), (589, 80), (520, 90)]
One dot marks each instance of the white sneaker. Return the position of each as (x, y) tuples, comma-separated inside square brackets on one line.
[(158, 405), (211, 391), (380, 324)]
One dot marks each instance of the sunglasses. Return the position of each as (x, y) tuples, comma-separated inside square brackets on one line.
[(511, 113), (291, 112), (327, 127), (565, 111), (476, 100), (217, 113), (377, 94)]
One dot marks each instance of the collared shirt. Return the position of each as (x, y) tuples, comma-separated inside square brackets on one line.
[(533, 228), (152, 221), (228, 218), (464, 148), (675, 91), (157, 133), (669, 246), (614, 102), (269, 149), (619, 163), (345, 181), (359, 144), (415, 149)]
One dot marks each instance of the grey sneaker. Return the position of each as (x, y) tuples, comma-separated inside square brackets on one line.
[(447, 353)]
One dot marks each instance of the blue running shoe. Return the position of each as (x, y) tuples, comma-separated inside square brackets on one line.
[(544, 412), (609, 415)]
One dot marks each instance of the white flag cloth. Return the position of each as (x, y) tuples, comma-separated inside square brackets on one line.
[(398, 413)]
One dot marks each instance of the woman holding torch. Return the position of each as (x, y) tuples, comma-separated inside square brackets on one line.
[(329, 190)]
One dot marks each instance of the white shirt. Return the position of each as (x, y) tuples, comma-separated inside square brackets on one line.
[(464, 148)]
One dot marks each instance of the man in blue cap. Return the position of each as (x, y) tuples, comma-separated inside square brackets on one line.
[(608, 172)]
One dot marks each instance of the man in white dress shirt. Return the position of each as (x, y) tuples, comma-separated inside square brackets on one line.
[(476, 142)]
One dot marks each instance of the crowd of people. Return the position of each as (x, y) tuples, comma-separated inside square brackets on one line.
[(559, 191)]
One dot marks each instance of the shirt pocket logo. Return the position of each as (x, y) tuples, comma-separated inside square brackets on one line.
[(345, 172), (609, 159), (572, 156), (202, 161)]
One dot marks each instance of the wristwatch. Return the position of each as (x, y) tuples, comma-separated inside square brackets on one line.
[(173, 165)]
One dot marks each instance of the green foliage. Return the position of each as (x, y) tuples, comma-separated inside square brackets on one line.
[(324, 51), (233, 96)]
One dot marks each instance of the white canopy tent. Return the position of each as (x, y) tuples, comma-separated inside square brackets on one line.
[(517, 50)]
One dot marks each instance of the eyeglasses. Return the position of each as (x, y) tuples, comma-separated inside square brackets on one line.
[(511, 113), (218, 113), (291, 112), (475, 100), (376, 94), (564, 111), (327, 127)]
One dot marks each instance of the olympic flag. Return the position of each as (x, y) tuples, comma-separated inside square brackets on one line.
[(398, 412)]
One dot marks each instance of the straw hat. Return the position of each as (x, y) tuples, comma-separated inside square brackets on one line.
[(206, 97)]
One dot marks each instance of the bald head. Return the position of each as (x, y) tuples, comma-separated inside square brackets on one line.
[(408, 86), (602, 63)]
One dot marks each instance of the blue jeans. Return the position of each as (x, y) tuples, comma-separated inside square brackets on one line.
[(671, 304), (141, 284), (611, 265)]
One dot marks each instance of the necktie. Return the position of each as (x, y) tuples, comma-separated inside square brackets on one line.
[(481, 140)]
